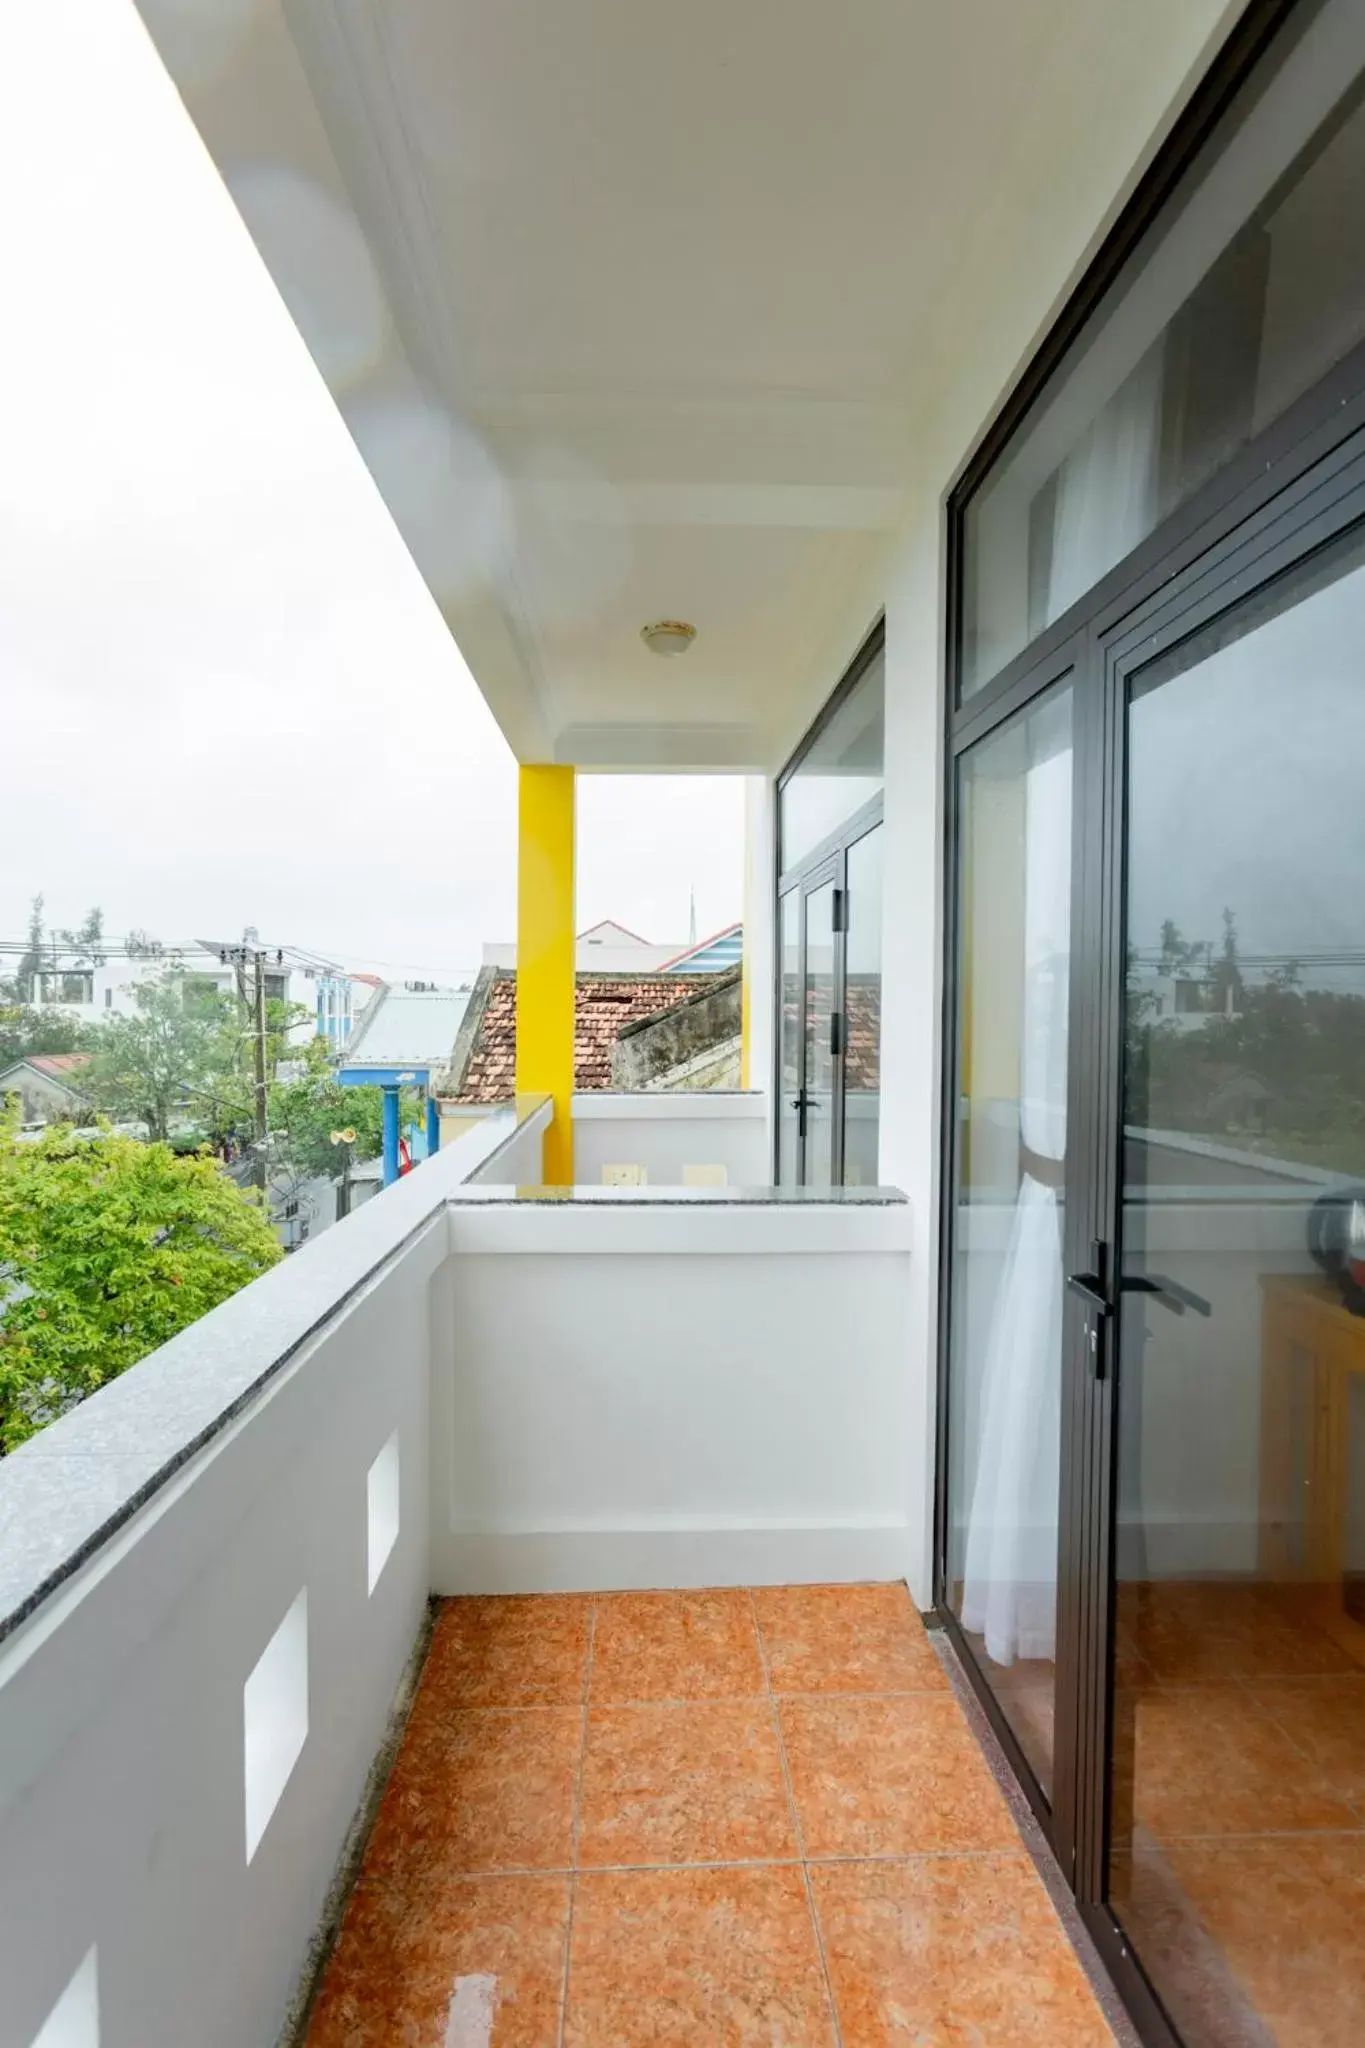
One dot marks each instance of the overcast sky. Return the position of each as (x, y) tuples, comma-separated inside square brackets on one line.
[(226, 697)]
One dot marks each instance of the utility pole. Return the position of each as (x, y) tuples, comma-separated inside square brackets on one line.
[(262, 1099)]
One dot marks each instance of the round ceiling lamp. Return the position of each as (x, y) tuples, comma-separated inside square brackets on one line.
[(668, 636)]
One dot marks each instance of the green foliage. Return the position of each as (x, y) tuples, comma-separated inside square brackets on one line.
[(107, 1248), (24, 1030), (1267, 1067), (171, 1059), (304, 1113)]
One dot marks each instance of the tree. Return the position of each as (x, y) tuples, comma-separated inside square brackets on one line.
[(171, 1057), (305, 1112), (1225, 973), (86, 943), (24, 1031), (1177, 952), (108, 1247), (31, 959)]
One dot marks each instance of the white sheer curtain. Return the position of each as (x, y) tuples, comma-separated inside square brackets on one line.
[(1105, 497)]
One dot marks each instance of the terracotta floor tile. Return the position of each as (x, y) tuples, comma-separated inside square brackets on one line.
[(1221, 1630), (846, 1639), (891, 1777), (695, 1783), (1210, 1761), (522, 1652), (951, 1949), (490, 1946), (1287, 1917), (676, 1646), (479, 1791), (695, 1959), (1324, 1717)]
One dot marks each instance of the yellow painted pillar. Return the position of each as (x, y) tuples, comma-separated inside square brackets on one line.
[(545, 954)]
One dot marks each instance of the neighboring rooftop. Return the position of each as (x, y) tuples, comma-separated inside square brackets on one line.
[(604, 948), (402, 1027), (710, 956), (55, 1064), (483, 1065)]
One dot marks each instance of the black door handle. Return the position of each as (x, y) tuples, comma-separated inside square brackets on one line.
[(1091, 1290), (1168, 1292)]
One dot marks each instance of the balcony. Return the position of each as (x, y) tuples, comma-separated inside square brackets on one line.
[(216, 1582)]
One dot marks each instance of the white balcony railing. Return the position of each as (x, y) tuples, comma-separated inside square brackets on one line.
[(214, 1573)]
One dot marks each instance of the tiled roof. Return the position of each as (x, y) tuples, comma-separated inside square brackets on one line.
[(57, 1063), (603, 1003), (863, 1008)]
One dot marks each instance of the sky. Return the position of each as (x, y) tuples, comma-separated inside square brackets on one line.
[(226, 697)]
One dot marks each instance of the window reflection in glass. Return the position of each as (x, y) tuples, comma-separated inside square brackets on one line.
[(839, 774), (863, 1011), (1004, 1375), (1242, 297)]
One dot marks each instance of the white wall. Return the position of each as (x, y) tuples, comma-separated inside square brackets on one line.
[(121, 1704), (519, 1162), (665, 1132), (652, 1395)]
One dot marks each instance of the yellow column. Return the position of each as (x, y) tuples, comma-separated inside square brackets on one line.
[(545, 954)]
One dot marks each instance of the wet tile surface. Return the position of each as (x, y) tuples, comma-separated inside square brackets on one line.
[(593, 1838), (491, 1948)]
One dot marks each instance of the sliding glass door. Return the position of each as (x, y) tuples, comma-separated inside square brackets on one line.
[(829, 918), (1151, 1506), (1006, 1270), (1235, 1854)]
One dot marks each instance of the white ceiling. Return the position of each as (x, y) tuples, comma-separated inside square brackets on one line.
[(639, 309)]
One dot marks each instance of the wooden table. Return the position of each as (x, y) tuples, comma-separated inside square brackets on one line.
[(1310, 1345)]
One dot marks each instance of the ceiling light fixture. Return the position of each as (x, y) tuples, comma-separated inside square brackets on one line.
[(668, 636)]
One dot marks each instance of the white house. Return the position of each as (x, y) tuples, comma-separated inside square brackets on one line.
[(91, 989)]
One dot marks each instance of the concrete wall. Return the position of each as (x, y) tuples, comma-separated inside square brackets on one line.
[(648, 1395), (664, 1133), (122, 1714), (1022, 289), (648, 1049)]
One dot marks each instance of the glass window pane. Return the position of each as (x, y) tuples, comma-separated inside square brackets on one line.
[(863, 1011), (819, 1011), (789, 1099), (1250, 287), (1004, 1368), (841, 772), (1238, 1759)]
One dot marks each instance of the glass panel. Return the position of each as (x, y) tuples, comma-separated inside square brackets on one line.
[(1004, 1368), (1249, 289), (789, 1100), (841, 772), (819, 1009), (863, 1011), (1237, 1865)]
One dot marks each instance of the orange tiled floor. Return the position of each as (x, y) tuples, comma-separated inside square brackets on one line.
[(714, 1818), (1239, 1728)]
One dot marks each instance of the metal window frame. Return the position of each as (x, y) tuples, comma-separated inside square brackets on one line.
[(1297, 491)]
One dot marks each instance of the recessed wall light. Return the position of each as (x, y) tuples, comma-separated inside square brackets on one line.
[(668, 636)]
